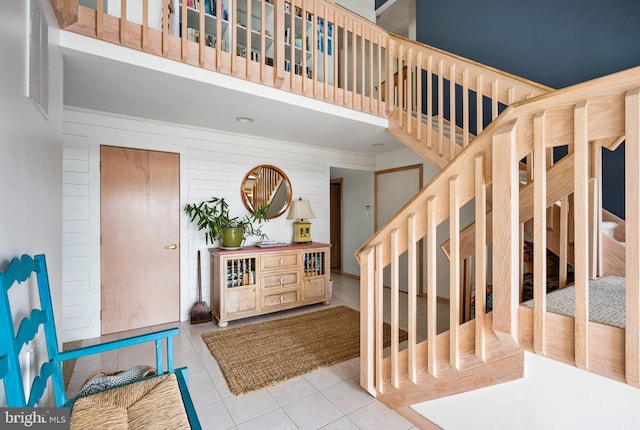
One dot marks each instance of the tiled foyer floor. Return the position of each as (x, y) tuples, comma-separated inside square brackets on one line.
[(329, 398)]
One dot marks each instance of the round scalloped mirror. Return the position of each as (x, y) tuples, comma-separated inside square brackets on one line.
[(264, 185)]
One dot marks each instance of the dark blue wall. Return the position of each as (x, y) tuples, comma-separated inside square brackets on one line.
[(553, 42)]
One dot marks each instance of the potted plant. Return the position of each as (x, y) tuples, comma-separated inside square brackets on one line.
[(213, 216)]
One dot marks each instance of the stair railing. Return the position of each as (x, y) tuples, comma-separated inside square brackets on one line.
[(584, 118), (435, 117), (559, 233)]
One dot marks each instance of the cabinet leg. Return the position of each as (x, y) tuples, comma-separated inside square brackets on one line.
[(223, 324), (327, 303)]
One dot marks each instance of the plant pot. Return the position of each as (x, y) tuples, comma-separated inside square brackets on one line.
[(232, 237)]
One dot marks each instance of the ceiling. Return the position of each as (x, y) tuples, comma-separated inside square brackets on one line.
[(105, 77)]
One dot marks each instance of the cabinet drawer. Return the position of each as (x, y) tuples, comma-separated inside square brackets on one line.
[(314, 289), (280, 299), (279, 280), (283, 260)]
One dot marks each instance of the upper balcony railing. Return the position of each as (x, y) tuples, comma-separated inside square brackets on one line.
[(308, 47)]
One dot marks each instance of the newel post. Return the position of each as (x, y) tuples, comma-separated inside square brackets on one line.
[(505, 208), (632, 269), (367, 272)]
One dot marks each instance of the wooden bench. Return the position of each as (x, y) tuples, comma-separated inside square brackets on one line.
[(159, 401)]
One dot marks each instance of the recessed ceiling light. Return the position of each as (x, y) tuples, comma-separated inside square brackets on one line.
[(377, 145), (244, 120)]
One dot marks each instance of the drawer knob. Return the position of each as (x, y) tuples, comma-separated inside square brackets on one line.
[(281, 261), (281, 280), (281, 300)]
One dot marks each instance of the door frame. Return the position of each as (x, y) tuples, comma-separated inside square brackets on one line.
[(94, 214), (376, 227), (339, 181)]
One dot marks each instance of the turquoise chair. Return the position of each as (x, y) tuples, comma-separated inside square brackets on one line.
[(12, 343)]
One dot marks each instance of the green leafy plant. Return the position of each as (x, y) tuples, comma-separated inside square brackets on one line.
[(213, 216)]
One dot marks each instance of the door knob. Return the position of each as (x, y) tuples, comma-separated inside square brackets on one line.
[(172, 246)]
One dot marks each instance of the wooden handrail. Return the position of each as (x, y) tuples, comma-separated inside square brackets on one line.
[(559, 188), (66, 11)]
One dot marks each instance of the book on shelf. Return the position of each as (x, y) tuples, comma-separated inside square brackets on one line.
[(209, 6), (193, 34)]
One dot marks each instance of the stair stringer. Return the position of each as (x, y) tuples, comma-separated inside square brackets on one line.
[(504, 363)]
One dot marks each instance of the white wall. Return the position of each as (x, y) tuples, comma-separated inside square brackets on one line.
[(364, 8), (31, 155), (212, 163), (357, 220)]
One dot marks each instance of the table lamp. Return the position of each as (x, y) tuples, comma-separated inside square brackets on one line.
[(301, 210)]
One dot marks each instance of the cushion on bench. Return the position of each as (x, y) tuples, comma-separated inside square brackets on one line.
[(152, 403)]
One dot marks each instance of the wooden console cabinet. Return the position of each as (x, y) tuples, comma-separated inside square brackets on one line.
[(253, 281)]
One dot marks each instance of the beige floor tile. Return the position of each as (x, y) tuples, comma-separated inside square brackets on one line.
[(312, 412), (248, 406), (347, 396), (214, 416), (376, 416), (274, 420), (292, 390)]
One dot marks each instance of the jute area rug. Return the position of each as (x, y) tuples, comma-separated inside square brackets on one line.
[(264, 354)]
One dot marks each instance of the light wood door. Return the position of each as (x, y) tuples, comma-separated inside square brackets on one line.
[(139, 213)]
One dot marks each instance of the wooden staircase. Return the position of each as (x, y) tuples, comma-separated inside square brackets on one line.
[(558, 206)]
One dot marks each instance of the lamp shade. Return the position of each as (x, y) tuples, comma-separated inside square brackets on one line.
[(300, 209)]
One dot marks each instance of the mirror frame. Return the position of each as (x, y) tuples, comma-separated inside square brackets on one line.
[(246, 199)]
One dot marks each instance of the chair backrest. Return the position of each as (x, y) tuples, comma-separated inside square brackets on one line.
[(29, 269)]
